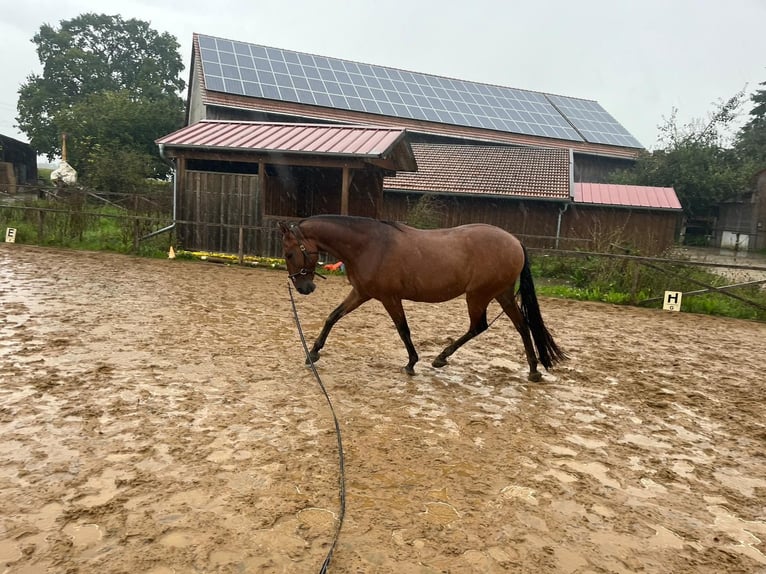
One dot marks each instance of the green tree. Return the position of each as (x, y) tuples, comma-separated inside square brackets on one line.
[(122, 125), (751, 139), (108, 83), (695, 159)]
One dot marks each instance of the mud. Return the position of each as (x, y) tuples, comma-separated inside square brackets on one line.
[(156, 417)]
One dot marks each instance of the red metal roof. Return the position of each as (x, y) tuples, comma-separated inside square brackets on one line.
[(626, 195), (486, 170), (291, 138)]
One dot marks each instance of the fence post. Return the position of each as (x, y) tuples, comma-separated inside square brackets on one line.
[(136, 230), (40, 225)]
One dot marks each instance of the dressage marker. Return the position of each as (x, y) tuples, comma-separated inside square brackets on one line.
[(672, 300), (391, 262)]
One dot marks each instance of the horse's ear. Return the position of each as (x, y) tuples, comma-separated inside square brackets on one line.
[(283, 227)]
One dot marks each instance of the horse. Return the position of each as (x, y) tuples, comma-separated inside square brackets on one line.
[(391, 262)]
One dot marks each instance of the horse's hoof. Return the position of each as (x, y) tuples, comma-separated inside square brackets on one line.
[(312, 358), (439, 362), (535, 377), (409, 370)]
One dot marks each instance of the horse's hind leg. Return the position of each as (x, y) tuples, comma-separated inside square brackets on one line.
[(351, 302), (508, 302), (477, 312), (396, 311)]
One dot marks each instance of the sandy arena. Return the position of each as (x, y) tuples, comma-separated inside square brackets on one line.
[(156, 417)]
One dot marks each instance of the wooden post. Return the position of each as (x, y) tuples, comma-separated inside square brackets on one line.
[(344, 191), (40, 226), (241, 188), (136, 223), (260, 210)]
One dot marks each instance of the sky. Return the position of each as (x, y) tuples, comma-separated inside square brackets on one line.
[(640, 59)]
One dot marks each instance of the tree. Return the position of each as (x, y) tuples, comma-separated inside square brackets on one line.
[(751, 139), (108, 83), (120, 125), (695, 159)]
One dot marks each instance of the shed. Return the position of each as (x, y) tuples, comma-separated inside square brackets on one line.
[(18, 165), (741, 224), (234, 178)]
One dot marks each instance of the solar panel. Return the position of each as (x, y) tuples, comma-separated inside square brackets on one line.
[(284, 75), (594, 122)]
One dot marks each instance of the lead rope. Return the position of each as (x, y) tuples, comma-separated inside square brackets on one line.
[(341, 465)]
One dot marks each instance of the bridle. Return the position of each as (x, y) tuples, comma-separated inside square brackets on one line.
[(296, 231)]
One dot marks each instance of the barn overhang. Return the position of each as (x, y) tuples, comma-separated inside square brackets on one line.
[(355, 147)]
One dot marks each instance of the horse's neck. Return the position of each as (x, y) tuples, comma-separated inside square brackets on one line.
[(342, 241)]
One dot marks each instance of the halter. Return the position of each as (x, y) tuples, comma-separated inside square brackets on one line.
[(306, 260)]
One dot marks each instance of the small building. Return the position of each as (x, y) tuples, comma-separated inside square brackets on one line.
[(18, 165), (641, 219), (741, 223), (234, 180)]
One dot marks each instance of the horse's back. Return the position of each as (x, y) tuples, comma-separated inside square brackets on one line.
[(440, 264)]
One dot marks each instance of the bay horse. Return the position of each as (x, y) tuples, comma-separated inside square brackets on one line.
[(391, 262)]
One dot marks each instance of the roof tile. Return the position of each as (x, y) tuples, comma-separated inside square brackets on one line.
[(486, 170)]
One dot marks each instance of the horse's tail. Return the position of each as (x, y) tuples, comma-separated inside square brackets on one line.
[(547, 349)]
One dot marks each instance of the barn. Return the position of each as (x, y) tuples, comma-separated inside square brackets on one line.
[(482, 152)]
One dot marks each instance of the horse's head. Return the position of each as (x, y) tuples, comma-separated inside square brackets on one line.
[(301, 257)]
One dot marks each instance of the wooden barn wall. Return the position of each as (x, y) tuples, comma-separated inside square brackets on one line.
[(603, 228), (212, 208), (305, 191), (536, 222), (597, 169), (365, 193)]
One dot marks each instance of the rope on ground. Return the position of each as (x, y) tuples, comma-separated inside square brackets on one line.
[(341, 462)]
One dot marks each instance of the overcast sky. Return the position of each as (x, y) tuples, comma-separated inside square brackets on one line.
[(638, 58)]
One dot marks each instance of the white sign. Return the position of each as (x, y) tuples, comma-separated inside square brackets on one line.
[(10, 235), (672, 301)]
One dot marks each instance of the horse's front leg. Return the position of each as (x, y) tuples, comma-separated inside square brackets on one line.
[(396, 311), (351, 302)]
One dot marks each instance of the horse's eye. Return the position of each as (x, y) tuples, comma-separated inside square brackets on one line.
[(289, 256)]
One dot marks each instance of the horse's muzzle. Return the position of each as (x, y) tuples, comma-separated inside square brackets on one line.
[(306, 288)]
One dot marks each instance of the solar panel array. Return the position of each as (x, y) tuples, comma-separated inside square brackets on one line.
[(283, 75)]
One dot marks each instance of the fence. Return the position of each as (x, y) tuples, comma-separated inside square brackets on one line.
[(124, 222)]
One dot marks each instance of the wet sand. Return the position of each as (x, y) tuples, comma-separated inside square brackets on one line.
[(156, 417)]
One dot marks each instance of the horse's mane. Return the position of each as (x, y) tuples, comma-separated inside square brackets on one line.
[(354, 220)]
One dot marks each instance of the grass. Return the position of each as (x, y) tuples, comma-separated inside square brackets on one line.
[(624, 282), (103, 228)]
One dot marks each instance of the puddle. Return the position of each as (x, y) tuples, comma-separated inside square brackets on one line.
[(9, 552), (519, 492), (594, 469), (83, 535), (742, 531), (181, 539), (643, 441), (440, 512)]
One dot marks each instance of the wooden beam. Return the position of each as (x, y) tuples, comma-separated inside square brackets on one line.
[(344, 191), (272, 159)]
